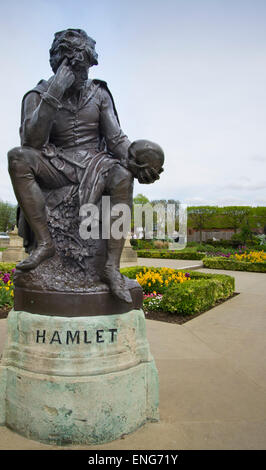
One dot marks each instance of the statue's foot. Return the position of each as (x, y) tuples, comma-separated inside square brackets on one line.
[(42, 252), (114, 279)]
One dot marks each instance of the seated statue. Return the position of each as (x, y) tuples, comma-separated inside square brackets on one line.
[(73, 151)]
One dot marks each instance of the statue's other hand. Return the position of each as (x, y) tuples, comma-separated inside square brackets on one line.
[(63, 80), (147, 175)]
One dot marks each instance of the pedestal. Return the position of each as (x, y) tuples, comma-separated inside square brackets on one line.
[(128, 256), (77, 380), (15, 251)]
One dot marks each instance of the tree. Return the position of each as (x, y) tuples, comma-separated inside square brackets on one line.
[(140, 199), (7, 216), (172, 203), (200, 215), (259, 218), (236, 216)]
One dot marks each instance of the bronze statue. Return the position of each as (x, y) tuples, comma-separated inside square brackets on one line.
[(73, 148)]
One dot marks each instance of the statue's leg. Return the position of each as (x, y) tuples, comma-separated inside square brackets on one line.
[(119, 187), (25, 167)]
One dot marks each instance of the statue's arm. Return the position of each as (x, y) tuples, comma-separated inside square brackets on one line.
[(40, 110), (117, 142), (37, 121)]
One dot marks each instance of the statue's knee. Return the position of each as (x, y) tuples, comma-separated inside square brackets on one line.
[(17, 159), (120, 185), (13, 157), (123, 178)]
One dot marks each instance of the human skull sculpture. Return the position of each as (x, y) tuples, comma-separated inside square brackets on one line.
[(145, 160)]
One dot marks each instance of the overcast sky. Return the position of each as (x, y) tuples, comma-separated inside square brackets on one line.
[(187, 74)]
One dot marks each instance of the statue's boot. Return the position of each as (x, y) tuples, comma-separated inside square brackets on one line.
[(43, 251), (111, 273), (120, 187), (32, 203)]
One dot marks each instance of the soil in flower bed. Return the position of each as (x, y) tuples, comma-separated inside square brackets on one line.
[(177, 318)]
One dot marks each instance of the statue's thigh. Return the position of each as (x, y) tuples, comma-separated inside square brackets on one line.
[(48, 176)]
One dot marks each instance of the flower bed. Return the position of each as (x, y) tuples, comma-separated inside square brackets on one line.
[(251, 257), (253, 261), (234, 265), (165, 289), (159, 280), (180, 292), (6, 287)]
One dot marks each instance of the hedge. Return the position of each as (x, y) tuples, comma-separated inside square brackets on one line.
[(200, 294), (171, 254), (216, 262)]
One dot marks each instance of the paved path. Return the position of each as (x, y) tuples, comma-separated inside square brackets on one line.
[(212, 374), (171, 263)]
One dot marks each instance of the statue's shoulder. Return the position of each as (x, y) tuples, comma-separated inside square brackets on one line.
[(41, 86), (102, 85), (99, 83)]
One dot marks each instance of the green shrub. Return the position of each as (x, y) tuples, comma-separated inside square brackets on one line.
[(171, 254), (159, 244), (261, 247), (142, 244), (234, 265), (145, 244), (197, 295), (232, 243), (134, 243)]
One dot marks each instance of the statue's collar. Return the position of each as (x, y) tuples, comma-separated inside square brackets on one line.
[(85, 95)]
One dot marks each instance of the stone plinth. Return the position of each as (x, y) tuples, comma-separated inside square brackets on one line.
[(15, 251), (77, 380), (4, 242), (128, 254)]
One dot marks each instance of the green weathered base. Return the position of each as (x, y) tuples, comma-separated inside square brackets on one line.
[(77, 380)]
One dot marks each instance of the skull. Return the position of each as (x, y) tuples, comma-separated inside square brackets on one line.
[(145, 160)]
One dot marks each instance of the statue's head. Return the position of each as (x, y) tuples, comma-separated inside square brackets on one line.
[(76, 45)]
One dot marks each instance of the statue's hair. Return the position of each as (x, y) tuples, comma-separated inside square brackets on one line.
[(72, 40)]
